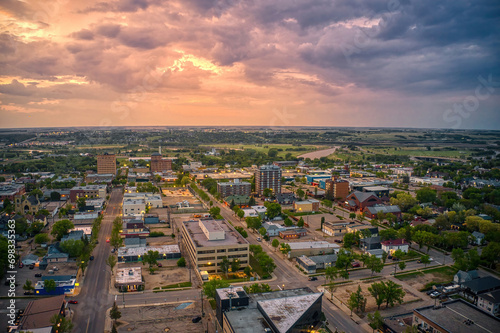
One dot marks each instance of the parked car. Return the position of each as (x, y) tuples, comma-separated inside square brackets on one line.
[(91, 257), (313, 278), (356, 264), (113, 250), (73, 302), (31, 266), (107, 240), (160, 264), (435, 294), (338, 241), (395, 258), (196, 319), (21, 265), (259, 239), (430, 291), (38, 275)]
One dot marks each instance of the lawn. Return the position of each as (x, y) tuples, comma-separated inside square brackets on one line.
[(425, 279), (265, 148), (256, 267)]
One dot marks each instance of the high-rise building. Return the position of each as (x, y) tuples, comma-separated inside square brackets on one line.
[(337, 189), (160, 164), (268, 176), (106, 164)]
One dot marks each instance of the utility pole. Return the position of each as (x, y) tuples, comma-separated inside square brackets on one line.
[(202, 312)]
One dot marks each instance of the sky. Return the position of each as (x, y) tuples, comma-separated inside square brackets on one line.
[(389, 63)]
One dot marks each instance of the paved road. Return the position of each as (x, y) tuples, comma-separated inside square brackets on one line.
[(94, 299), (289, 278)]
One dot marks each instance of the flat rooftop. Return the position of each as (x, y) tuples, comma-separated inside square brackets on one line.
[(139, 251), (250, 319), (212, 225), (200, 239), (234, 292), (130, 275), (376, 188), (312, 245), (452, 317)]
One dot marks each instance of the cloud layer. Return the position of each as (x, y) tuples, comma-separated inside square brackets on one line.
[(205, 62)]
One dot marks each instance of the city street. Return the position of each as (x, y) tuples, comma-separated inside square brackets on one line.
[(94, 298)]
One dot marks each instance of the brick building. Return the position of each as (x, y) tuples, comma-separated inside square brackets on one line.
[(160, 164), (106, 164), (337, 189)]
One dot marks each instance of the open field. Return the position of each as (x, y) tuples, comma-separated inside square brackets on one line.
[(266, 147), (420, 279), (161, 318), (343, 293)]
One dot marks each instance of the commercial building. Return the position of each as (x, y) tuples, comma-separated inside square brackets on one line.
[(373, 211), (310, 205), (457, 316), (133, 206), (129, 279), (126, 254), (336, 189), (334, 229), (282, 311), (380, 191), (293, 233), (106, 164), (9, 191), (298, 249), (37, 315), (150, 199), (208, 241), (160, 164), (88, 191), (268, 176), (65, 285), (134, 228), (235, 187), (313, 263)]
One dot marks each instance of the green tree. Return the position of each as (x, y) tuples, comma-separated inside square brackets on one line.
[(374, 264), (376, 321), (331, 274), (343, 262), (263, 231), (266, 263), (300, 224), (28, 286), (115, 313), (42, 238), (210, 287), (349, 240), (49, 285), (214, 211), (61, 324), (300, 193), (285, 248), (181, 262), (111, 262), (257, 288), (240, 214), (352, 216), (393, 293), (61, 228), (491, 253), (275, 243), (388, 234), (150, 258), (35, 228), (377, 290), (267, 192), (402, 265), (224, 265), (425, 259), (357, 301), (384, 256), (73, 247), (404, 200), (273, 209), (81, 202), (425, 195), (288, 222), (235, 265), (116, 241)]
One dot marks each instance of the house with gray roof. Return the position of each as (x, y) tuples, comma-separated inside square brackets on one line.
[(463, 276), (477, 238)]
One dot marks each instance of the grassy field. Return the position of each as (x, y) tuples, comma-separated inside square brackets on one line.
[(418, 151), (265, 148)]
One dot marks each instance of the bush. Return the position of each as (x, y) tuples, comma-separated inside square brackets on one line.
[(181, 262), (156, 234)]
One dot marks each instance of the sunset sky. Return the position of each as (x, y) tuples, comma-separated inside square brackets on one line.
[(257, 62)]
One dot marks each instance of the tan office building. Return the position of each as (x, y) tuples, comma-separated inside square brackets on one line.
[(208, 241), (106, 164)]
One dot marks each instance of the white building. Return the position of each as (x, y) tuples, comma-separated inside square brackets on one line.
[(133, 206)]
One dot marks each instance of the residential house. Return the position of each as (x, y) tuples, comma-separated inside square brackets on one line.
[(313, 263), (392, 245), (477, 238), (489, 302), (471, 289), (370, 243), (286, 198), (463, 276), (37, 315)]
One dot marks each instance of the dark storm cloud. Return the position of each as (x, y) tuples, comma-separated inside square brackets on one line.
[(17, 88), (84, 34), (109, 30)]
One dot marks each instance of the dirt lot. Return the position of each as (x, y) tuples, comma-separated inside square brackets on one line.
[(163, 276), (343, 293), (161, 318), (419, 281)]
